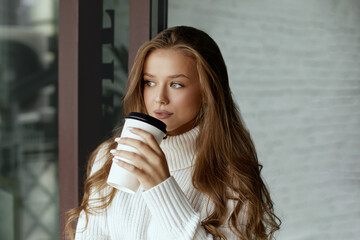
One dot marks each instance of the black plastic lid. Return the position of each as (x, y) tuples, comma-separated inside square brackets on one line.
[(148, 119)]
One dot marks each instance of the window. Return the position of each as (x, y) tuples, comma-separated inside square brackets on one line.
[(29, 192)]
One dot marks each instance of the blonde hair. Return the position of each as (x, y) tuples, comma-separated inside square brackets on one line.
[(226, 166)]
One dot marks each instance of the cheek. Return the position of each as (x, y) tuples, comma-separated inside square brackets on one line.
[(189, 102), (147, 98)]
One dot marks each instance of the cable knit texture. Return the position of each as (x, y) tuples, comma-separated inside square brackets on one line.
[(171, 210)]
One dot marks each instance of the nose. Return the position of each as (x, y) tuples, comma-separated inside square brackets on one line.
[(161, 96)]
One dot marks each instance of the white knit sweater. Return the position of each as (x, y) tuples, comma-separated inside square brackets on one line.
[(171, 210)]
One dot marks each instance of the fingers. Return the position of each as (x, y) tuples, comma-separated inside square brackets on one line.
[(149, 172), (146, 160), (134, 167), (148, 138), (135, 159), (148, 163), (143, 148), (147, 147), (128, 166)]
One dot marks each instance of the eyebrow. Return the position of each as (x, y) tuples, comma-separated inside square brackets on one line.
[(148, 75), (180, 75)]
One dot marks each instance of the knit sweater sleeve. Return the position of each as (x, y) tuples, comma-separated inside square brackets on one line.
[(174, 217), (96, 226)]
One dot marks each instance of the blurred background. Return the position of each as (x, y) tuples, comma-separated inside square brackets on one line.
[(294, 69), (28, 120)]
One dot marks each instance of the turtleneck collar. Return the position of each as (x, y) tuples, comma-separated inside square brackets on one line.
[(180, 149)]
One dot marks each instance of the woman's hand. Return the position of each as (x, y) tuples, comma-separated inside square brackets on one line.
[(150, 166)]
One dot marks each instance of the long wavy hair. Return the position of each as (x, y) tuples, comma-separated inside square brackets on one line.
[(226, 167)]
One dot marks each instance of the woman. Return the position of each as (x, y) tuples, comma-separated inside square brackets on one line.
[(203, 181)]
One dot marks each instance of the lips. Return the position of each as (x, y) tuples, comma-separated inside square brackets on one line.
[(162, 114)]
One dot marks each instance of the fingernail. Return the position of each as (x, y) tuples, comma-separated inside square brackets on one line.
[(130, 128), (113, 151), (117, 139)]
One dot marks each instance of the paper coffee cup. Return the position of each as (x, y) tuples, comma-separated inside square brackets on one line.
[(120, 178)]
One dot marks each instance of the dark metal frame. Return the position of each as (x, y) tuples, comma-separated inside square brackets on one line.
[(162, 15), (79, 95), (158, 16), (80, 77)]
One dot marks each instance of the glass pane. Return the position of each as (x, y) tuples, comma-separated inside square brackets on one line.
[(29, 194), (115, 62)]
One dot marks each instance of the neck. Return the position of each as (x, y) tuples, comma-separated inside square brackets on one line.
[(180, 150), (184, 128)]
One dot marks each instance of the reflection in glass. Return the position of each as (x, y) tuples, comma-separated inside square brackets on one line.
[(115, 62), (28, 120)]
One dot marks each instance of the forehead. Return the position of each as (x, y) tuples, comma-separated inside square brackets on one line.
[(165, 60)]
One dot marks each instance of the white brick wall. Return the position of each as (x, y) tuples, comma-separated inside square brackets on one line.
[(294, 68)]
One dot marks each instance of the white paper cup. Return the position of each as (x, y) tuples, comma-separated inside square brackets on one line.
[(120, 178)]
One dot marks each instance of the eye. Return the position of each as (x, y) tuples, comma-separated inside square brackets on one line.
[(149, 83), (176, 85)]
